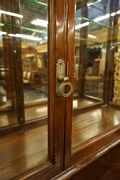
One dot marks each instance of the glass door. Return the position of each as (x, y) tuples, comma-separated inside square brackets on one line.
[(95, 76), (26, 35), (33, 39)]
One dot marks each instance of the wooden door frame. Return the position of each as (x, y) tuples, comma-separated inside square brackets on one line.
[(70, 42)]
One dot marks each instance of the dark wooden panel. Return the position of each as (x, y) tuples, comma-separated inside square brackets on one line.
[(106, 167), (104, 164)]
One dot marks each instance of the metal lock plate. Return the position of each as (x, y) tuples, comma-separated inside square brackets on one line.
[(60, 74)]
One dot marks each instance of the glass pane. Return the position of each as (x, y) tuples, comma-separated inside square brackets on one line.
[(33, 34), (90, 51), (23, 85), (95, 47), (7, 86), (34, 37)]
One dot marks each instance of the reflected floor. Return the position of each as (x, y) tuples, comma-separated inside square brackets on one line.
[(7, 119), (10, 118), (95, 91), (38, 112), (30, 95), (33, 95), (83, 102)]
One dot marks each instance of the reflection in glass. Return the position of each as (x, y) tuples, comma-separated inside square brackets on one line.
[(90, 50), (21, 36), (91, 38), (34, 56), (7, 87), (33, 17)]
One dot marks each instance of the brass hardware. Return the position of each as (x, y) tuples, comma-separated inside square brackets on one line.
[(62, 87), (62, 80)]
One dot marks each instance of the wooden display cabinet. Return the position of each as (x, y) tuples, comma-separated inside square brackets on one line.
[(65, 139)]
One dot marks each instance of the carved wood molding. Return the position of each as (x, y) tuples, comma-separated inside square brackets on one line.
[(116, 88)]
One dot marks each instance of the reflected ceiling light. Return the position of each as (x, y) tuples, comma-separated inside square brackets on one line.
[(46, 38), (24, 36), (42, 109), (12, 35), (118, 12), (116, 121), (75, 103), (40, 22), (81, 25), (101, 18), (91, 3), (2, 33), (113, 13), (11, 14), (92, 36)]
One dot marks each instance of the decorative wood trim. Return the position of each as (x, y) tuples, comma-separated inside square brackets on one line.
[(116, 68)]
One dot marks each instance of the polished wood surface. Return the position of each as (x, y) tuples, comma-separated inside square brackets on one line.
[(102, 165), (89, 125), (29, 147), (106, 121), (22, 150), (106, 167)]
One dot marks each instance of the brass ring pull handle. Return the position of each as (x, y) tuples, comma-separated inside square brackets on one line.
[(62, 89), (62, 80)]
